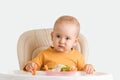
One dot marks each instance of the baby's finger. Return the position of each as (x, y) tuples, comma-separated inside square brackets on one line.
[(90, 71), (87, 70), (29, 68)]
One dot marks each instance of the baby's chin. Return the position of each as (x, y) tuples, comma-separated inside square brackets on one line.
[(62, 51)]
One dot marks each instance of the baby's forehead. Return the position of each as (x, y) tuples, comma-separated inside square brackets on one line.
[(67, 27), (66, 33)]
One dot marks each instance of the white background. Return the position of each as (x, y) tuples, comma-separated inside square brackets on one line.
[(100, 23)]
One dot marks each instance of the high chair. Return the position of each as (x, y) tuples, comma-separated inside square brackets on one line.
[(32, 42)]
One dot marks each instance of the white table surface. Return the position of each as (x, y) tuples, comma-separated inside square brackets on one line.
[(41, 75)]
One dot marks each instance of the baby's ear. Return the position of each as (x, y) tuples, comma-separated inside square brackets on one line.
[(76, 41), (52, 36)]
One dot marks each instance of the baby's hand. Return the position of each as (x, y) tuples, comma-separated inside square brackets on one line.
[(31, 67), (89, 69)]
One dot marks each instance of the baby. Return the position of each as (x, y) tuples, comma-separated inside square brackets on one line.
[(64, 37)]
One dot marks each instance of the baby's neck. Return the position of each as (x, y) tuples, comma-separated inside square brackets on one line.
[(66, 52)]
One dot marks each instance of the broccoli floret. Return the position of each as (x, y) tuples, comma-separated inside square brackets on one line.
[(66, 68)]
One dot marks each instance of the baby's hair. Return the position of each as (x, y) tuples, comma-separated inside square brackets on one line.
[(68, 20)]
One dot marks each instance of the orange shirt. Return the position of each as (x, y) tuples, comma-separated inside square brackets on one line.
[(51, 58)]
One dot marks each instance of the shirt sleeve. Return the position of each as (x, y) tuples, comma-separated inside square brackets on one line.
[(80, 62), (38, 60)]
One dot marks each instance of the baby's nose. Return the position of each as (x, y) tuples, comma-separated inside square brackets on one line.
[(62, 40)]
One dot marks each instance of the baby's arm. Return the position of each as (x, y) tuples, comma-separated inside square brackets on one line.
[(89, 69), (31, 67)]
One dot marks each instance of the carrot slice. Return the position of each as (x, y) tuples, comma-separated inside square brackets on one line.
[(45, 67), (34, 70), (73, 69)]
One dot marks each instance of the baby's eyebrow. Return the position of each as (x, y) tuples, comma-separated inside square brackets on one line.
[(58, 34)]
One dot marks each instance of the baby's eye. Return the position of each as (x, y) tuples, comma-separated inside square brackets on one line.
[(67, 38), (58, 36)]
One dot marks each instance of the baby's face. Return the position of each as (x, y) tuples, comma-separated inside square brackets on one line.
[(64, 37)]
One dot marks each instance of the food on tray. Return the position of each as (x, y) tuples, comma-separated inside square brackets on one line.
[(61, 68)]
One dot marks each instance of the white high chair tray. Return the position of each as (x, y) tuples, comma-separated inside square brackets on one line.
[(41, 75)]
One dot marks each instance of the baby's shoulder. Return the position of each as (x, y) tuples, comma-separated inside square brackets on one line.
[(77, 52)]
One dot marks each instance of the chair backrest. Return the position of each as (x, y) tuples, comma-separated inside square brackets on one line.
[(32, 42)]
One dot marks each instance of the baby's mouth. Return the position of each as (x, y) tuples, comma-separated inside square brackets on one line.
[(60, 46)]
